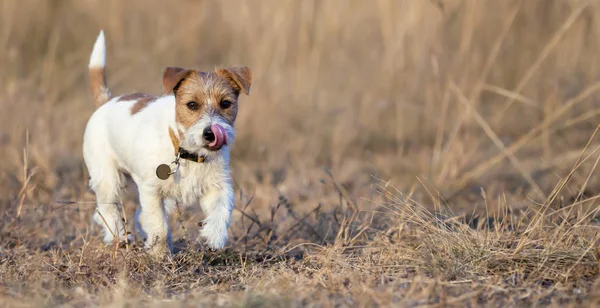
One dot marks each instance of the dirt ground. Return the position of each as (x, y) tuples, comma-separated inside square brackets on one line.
[(391, 153)]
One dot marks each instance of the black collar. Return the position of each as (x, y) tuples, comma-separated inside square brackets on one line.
[(184, 154)]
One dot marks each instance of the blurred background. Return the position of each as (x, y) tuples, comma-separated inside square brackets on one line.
[(443, 99)]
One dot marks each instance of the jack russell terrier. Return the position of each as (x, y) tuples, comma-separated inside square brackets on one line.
[(175, 148)]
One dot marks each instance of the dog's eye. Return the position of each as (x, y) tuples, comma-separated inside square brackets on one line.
[(225, 104), (193, 106)]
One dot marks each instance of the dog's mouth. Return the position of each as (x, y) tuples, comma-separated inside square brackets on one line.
[(220, 137)]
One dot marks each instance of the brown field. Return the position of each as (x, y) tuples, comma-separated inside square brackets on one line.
[(391, 153)]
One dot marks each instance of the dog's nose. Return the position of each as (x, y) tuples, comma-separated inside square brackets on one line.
[(208, 134)]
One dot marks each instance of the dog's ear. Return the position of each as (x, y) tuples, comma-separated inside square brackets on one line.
[(240, 77), (172, 76)]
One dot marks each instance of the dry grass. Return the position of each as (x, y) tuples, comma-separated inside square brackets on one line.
[(412, 153)]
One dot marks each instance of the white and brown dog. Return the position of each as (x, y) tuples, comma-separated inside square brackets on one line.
[(190, 129)]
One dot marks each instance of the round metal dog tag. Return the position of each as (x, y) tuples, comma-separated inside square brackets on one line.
[(163, 171)]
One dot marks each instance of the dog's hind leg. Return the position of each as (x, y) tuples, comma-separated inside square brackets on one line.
[(105, 181)]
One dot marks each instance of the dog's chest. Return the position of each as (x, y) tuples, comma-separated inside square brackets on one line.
[(191, 181)]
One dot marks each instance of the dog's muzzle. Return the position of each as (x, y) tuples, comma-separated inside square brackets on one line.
[(216, 136)]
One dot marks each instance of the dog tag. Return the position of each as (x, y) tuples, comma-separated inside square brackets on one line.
[(163, 171)]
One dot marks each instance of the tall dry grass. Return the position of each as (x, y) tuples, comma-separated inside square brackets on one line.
[(462, 105)]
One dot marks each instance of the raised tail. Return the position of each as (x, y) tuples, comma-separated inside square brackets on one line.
[(97, 75)]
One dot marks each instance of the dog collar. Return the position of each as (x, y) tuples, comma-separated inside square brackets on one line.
[(183, 153), (163, 171)]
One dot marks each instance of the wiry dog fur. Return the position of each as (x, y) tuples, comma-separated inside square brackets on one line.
[(132, 134)]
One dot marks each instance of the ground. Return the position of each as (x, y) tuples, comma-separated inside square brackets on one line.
[(415, 153)]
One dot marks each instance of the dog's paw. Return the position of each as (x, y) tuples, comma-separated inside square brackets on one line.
[(129, 239), (159, 251), (124, 240), (214, 240), (158, 248)]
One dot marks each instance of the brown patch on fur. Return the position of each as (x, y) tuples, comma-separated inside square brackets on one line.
[(98, 87), (174, 140), (142, 101), (141, 104), (133, 96), (208, 90)]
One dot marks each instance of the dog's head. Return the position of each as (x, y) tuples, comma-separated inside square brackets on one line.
[(206, 105)]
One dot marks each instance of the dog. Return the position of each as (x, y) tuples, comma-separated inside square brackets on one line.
[(174, 147)]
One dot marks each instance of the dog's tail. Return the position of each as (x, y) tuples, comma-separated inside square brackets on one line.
[(97, 67)]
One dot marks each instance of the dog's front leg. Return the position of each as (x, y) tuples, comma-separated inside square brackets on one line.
[(154, 223), (217, 204)]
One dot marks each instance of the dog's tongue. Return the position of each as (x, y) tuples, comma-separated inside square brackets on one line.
[(220, 136)]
